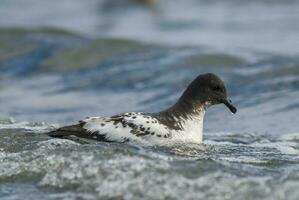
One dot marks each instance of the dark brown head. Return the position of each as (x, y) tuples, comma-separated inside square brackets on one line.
[(206, 90)]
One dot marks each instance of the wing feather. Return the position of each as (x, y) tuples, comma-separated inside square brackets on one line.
[(118, 128)]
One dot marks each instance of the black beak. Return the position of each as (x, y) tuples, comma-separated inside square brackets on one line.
[(229, 104)]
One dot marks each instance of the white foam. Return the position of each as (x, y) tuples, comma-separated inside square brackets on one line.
[(243, 159), (27, 126), (283, 147)]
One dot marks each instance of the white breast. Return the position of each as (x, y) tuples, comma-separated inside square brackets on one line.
[(192, 129), (191, 132)]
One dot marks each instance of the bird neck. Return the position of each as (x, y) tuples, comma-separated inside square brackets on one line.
[(182, 114), (186, 125)]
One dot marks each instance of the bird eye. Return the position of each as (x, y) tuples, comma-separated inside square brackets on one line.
[(216, 88)]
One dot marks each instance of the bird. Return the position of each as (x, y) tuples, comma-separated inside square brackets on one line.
[(180, 123)]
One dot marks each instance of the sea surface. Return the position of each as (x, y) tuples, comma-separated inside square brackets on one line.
[(62, 61)]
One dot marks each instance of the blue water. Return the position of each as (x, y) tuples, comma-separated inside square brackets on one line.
[(63, 61)]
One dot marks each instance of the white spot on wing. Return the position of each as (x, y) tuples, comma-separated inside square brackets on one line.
[(137, 127)]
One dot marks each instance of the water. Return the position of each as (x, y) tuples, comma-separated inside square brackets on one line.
[(62, 61)]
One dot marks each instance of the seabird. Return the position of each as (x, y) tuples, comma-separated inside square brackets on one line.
[(181, 123)]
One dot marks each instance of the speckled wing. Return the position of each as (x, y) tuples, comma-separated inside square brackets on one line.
[(119, 128), (125, 127), (143, 125)]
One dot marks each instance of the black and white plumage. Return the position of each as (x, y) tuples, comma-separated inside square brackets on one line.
[(183, 122)]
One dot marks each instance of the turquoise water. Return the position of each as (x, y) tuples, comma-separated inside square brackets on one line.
[(56, 70)]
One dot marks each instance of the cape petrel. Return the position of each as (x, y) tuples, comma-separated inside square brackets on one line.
[(182, 122)]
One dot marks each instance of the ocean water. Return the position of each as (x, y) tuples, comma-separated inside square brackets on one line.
[(61, 61)]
